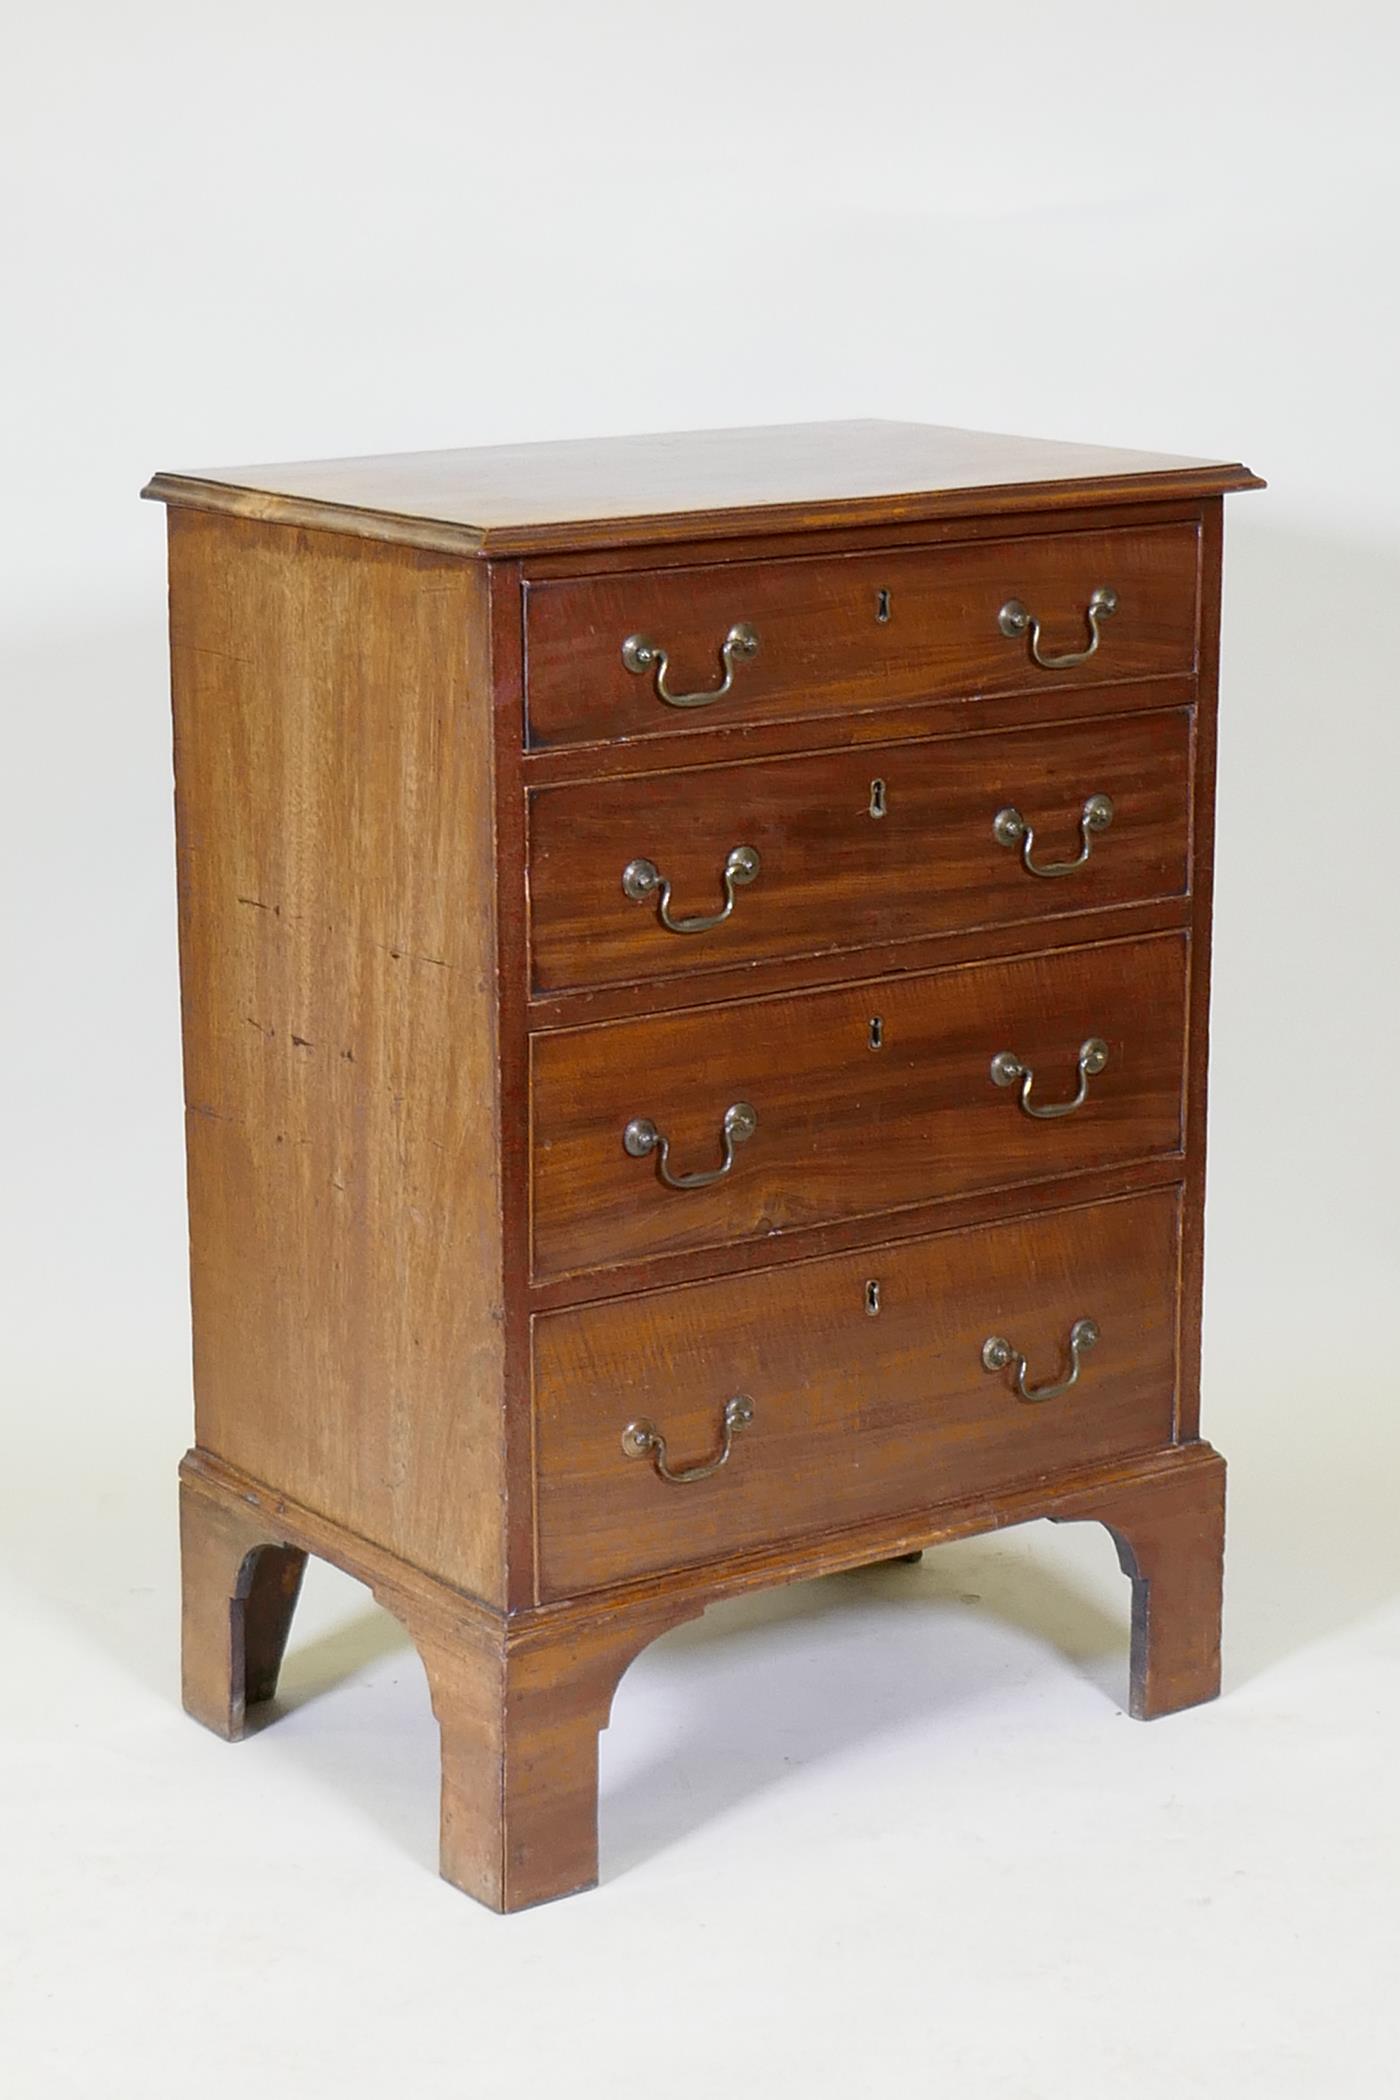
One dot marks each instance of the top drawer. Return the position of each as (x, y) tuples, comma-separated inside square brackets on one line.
[(647, 653)]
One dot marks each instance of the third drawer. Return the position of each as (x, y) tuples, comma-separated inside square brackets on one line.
[(845, 1103)]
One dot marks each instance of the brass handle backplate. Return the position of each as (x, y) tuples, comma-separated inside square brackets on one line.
[(642, 1439), (642, 879), (641, 655), (1007, 1068), (1014, 621), (641, 1138), (999, 1355), (1010, 829)]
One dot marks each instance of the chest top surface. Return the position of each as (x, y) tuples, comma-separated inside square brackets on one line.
[(636, 491)]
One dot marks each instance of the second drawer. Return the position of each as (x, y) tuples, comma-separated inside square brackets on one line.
[(846, 849), (839, 1104)]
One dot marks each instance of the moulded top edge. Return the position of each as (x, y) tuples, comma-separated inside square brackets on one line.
[(634, 491)]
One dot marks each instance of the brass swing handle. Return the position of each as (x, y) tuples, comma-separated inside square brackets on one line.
[(1010, 829), (1014, 621), (641, 1138), (642, 1439), (642, 879), (999, 1355), (1007, 1068), (641, 655)]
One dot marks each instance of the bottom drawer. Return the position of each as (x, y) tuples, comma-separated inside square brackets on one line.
[(859, 1384)]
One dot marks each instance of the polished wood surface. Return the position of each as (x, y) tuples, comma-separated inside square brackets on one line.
[(854, 1416), (519, 1722), (1188, 1413), (431, 1288), (240, 1591), (519, 1773), (332, 804), (836, 876), (692, 485), (823, 647), (1170, 1535), (845, 1129)]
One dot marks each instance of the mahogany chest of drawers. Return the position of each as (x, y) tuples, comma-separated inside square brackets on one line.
[(695, 959)]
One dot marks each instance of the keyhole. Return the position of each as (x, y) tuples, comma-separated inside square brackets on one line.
[(872, 1298), (882, 606), (877, 1032), (877, 798)]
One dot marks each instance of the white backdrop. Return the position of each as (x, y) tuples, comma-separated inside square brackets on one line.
[(296, 230)]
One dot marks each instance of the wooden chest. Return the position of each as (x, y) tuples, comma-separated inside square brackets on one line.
[(695, 956)]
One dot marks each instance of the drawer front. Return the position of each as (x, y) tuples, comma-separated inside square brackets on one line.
[(853, 1415), (855, 630), (848, 849), (864, 1099)]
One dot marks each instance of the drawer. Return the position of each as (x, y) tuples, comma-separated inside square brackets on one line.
[(827, 633), (863, 1099), (847, 849), (852, 1416)]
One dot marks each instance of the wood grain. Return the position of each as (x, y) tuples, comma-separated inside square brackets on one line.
[(1098, 513), (835, 877), (430, 1287), (1198, 1045), (520, 1699), (631, 491), (822, 647), (337, 926), (519, 1720), (854, 1416), (1169, 1529), (240, 1585), (904, 957), (954, 715), (845, 1130)]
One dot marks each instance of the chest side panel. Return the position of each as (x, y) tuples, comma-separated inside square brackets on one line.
[(337, 923)]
